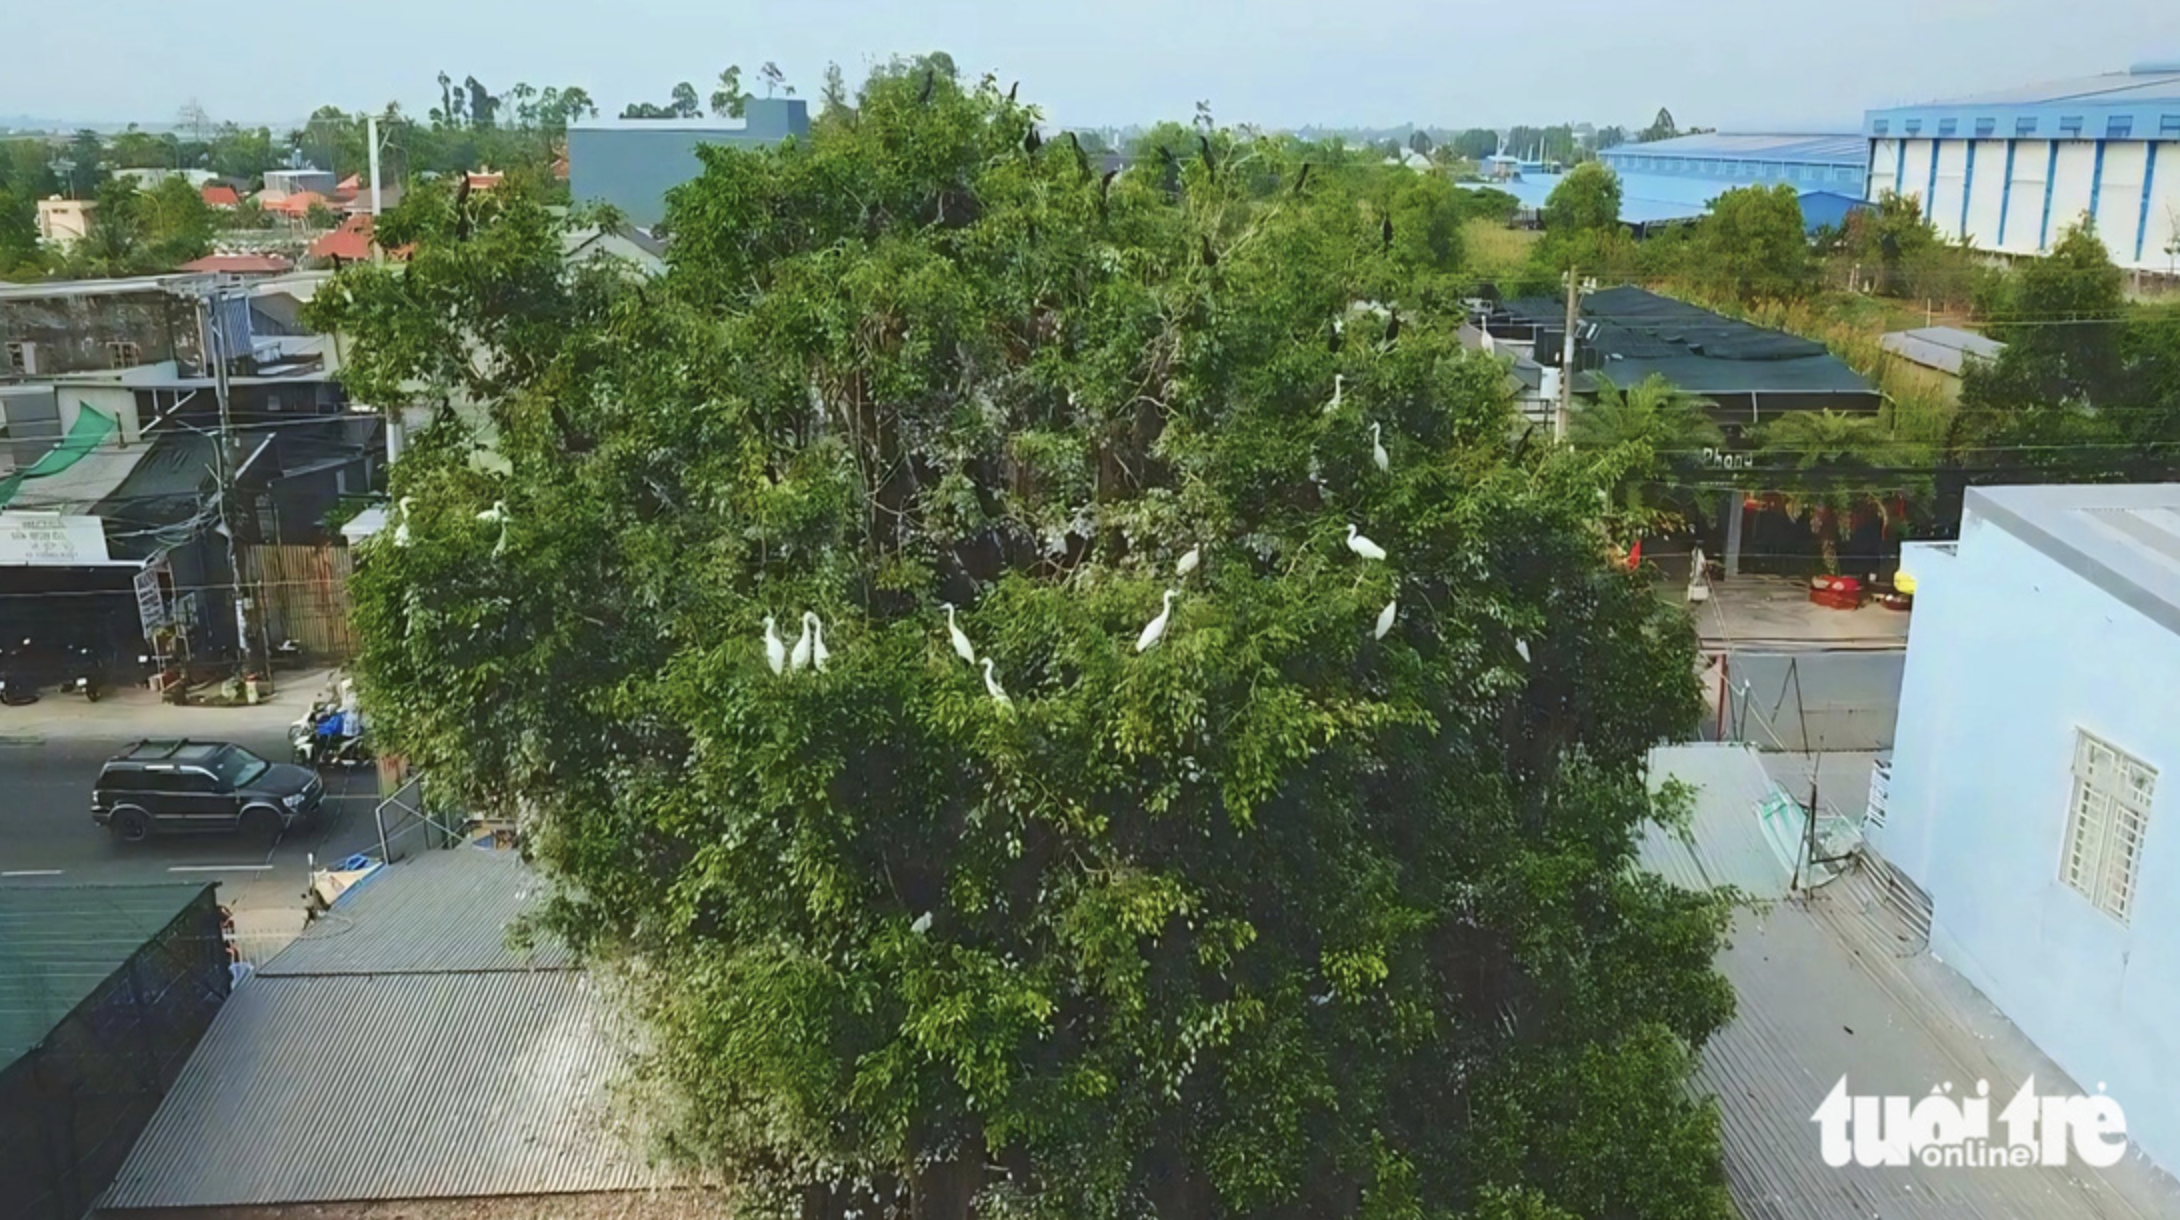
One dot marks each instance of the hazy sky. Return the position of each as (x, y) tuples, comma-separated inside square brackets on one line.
[(1735, 64)]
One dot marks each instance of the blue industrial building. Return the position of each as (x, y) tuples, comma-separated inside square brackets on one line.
[(632, 163), (1673, 181), (2012, 170)]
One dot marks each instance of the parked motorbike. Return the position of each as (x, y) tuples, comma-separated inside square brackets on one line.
[(17, 686), (82, 675), (329, 737)]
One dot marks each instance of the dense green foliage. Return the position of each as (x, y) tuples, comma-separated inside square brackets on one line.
[(1276, 918), (1652, 434), (1752, 245), (1586, 200)]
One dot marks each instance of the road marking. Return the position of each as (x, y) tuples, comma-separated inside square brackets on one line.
[(220, 868), (32, 872)]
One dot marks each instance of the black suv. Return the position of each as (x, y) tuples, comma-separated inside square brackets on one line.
[(168, 787)]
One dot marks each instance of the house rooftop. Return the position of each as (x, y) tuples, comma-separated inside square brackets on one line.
[(2123, 538), (60, 943), (1838, 982), (1945, 348)]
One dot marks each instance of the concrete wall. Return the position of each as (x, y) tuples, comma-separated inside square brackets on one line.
[(632, 163), (2009, 655), (72, 331), (1848, 700)]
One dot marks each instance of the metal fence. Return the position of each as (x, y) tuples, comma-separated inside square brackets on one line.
[(305, 592), (410, 821), (1810, 700)]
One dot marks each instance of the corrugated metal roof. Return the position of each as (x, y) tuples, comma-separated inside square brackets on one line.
[(437, 912), (2103, 89), (1832, 985), (1851, 151), (1945, 348), (58, 943), (1725, 842), (2122, 538), (414, 1086), (1644, 198)]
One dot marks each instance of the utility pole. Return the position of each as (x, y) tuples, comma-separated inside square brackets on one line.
[(371, 138), (216, 345), (1566, 356)]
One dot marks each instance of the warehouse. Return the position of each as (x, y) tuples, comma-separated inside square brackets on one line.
[(2012, 170), (1670, 182), (104, 990)]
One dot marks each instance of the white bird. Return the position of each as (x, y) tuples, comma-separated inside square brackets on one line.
[(799, 659), (1339, 387), (1522, 647), (497, 515), (775, 647), (1189, 561), (922, 924), (1377, 450), (991, 684), (1363, 546), (819, 653), (961, 642), (401, 531), (1386, 617), (1157, 628)]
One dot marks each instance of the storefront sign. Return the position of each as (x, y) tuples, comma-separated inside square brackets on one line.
[(50, 540), (151, 605), (1723, 460)]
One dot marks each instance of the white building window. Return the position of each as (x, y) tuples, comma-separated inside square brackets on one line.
[(2105, 824)]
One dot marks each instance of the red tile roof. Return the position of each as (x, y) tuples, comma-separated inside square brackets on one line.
[(239, 264), (349, 185), (351, 242), (221, 196), (296, 204)]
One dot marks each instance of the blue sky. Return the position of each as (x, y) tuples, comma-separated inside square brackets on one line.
[(1736, 64)]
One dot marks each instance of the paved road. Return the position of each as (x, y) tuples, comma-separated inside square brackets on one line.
[(50, 753)]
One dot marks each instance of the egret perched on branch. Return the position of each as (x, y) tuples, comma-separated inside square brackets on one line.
[(922, 924), (497, 515), (1189, 561), (1157, 628), (819, 653), (1377, 450), (1339, 387), (775, 647), (1363, 546), (961, 642), (991, 685), (401, 530), (1386, 617), (1522, 647), (799, 659)]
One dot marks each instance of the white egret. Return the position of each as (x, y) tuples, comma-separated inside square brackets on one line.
[(401, 531), (1522, 647), (922, 924), (799, 659), (775, 647), (819, 653), (1363, 546), (497, 515), (1189, 561), (1377, 450), (1339, 389), (1386, 617), (1157, 628), (991, 684), (961, 642)]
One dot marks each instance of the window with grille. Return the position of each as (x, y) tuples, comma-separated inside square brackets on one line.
[(121, 354), (2105, 824)]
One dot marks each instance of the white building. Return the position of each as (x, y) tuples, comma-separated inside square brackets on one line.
[(2013, 169), (2035, 788)]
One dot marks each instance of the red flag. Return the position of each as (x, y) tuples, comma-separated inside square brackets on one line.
[(1635, 555)]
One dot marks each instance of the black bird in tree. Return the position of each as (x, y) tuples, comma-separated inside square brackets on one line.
[(1082, 159), (1211, 256), (930, 82), (1010, 92), (1105, 189), (461, 209), (1334, 341), (1301, 178), (1392, 327), (1211, 163), (1523, 443), (1031, 141), (1385, 232)]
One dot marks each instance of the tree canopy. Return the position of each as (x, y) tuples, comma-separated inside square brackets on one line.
[(1752, 244), (1283, 914), (1587, 200)]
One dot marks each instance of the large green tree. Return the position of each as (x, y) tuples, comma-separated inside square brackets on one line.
[(1752, 245), (1280, 914), (1587, 200), (1649, 438)]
